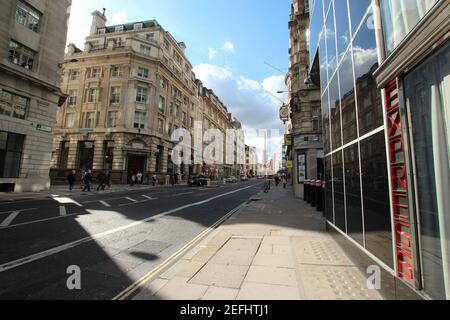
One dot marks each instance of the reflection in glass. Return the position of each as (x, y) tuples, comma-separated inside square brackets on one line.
[(323, 60), (353, 193), (328, 190), (335, 113), (347, 91), (427, 94), (400, 17), (342, 27), (326, 123), (358, 9), (331, 44), (377, 218), (315, 27), (338, 182), (370, 111)]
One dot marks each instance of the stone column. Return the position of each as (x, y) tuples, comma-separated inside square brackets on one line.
[(99, 154)]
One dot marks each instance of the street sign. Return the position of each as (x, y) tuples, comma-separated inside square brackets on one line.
[(284, 113), (289, 164)]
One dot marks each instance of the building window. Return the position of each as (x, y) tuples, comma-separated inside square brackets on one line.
[(191, 122), (93, 95), (115, 95), (116, 71), (169, 129), (184, 118), (109, 155), (20, 55), (70, 120), (113, 117), (74, 75), (117, 43), (138, 26), (118, 29), (85, 154), (101, 31), (64, 154), (160, 126), (145, 50), (96, 73), (72, 101), (89, 120), (162, 105), (143, 72), (166, 44), (11, 147), (141, 95), (13, 105), (163, 83), (27, 16), (139, 120)]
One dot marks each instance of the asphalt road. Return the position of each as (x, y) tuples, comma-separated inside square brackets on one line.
[(113, 238)]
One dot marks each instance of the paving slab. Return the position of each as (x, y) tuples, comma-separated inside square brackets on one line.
[(217, 293), (272, 275), (274, 260), (219, 275), (179, 289), (259, 291)]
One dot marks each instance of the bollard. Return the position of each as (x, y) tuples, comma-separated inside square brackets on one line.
[(323, 199), (319, 200), (304, 190), (312, 191), (308, 198)]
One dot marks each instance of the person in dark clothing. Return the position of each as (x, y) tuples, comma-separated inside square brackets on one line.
[(101, 181), (87, 180), (71, 180), (277, 181)]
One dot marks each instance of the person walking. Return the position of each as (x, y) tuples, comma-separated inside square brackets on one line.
[(154, 180), (277, 181), (133, 179), (101, 181), (139, 177), (71, 179), (284, 182), (108, 178), (87, 179)]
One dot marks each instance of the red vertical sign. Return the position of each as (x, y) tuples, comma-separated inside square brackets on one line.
[(399, 185)]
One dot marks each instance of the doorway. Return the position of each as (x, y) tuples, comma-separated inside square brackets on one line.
[(135, 164)]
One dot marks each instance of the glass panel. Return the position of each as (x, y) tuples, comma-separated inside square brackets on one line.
[(427, 91), (342, 27), (331, 44), (328, 190), (377, 217), (400, 17), (335, 113), (338, 181), (353, 193), (326, 123), (323, 60), (357, 10), (370, 111), (315, 27), (347, 91)]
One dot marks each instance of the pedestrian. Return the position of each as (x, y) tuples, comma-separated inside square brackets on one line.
[(71, 179), (133, 179), (101, 181), (108, 178), (284, 182), (139, 177), (87, 179), (154, 180), (172, 180), (277, 181)]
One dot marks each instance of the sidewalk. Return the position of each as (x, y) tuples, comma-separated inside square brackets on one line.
[(274, 248)]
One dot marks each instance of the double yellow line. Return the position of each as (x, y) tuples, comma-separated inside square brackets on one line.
[(135, 286)]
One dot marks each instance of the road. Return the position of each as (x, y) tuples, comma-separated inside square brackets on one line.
[(114, 238)]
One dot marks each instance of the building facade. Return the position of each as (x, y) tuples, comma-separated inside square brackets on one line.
[(128, 91), (304, 146), (383, 68), (32, 41)]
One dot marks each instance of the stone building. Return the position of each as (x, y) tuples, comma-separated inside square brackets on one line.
[(32, 40), (305, 148), (128, 91)]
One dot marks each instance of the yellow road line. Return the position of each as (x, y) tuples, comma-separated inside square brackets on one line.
[(135, 286)]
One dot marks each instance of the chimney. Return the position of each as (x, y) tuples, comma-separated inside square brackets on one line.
[(98, 21)]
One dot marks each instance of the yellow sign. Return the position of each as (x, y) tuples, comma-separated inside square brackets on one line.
[(289, 164), (287, 140)]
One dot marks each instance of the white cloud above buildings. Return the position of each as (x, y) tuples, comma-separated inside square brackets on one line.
[(228, 46)]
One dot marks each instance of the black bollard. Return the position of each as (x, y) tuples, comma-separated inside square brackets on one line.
[(304, 190), (308, 194), (313, 193), (319, 196)]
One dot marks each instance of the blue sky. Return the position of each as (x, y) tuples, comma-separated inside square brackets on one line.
[(228, 43)]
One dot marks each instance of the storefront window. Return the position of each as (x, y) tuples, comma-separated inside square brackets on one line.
[(353, 193), (338, 182), (400, 17), (427, 91), (11, 147)]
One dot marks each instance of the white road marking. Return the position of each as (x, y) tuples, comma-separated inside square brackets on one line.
[(147, 197), (9, 219), (131, 199), (182, 194), (62, 211), (106, 204), (40, 255), (22, 210)]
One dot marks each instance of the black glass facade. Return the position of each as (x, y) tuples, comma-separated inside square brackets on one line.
[(356, 174)]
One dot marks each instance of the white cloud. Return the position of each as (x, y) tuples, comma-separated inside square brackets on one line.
[(228, 46), (120, 17), (212, 53)]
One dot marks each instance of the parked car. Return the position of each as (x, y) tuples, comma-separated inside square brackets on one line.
[(198, 180), (244, 178), (231, 179)]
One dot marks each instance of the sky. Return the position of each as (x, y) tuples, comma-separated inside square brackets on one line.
[(238, 48)]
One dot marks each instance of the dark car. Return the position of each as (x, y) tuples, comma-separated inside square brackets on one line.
[(198, 180)]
